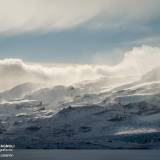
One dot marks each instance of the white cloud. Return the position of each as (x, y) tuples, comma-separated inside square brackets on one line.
[(15, 71), (140, 60), (33, 15), (135, 63)]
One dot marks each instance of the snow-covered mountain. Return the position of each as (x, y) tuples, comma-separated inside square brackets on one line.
[(123, 115)]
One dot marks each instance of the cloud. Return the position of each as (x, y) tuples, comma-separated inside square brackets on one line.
[(15, 71), (44, 15), (135, 63), (140, 60)]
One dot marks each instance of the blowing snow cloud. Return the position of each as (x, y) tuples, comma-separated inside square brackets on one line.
[(135, 63)]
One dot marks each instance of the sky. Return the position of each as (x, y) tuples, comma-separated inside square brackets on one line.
[(77, 31)]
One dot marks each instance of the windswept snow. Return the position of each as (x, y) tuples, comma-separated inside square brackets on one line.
[(18, 91)]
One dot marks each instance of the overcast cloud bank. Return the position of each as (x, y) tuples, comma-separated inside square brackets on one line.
[(18, 16)]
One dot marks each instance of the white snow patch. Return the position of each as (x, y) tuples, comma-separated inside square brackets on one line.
[(137, 131)]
